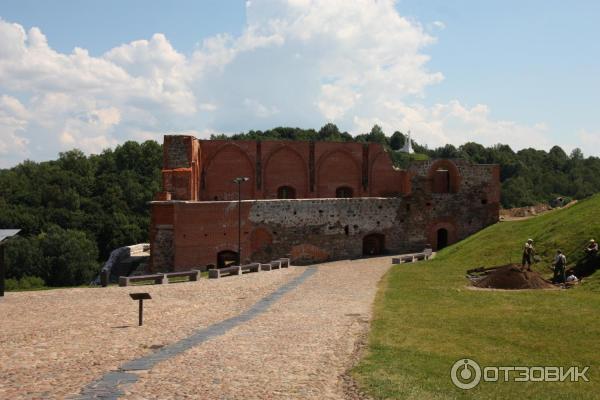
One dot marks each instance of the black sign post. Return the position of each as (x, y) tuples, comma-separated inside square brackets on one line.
[(141, 297)]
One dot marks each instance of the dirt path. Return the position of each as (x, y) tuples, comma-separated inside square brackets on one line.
[(298, 347)]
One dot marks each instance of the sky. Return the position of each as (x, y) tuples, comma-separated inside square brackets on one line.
[(93, 74)]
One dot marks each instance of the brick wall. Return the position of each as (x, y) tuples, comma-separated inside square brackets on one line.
[(204, 169), (419, 210)]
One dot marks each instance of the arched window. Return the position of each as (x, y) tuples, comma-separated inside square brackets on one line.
[(286, 192), (344, 192)]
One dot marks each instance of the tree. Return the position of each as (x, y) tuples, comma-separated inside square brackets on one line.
[(70, 257), (329, 131), (23, 258), (377, 136), (397, 140), (576, 154)]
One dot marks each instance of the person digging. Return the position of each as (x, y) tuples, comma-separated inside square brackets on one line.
[(591, 250), (560, 263), (528, 252)]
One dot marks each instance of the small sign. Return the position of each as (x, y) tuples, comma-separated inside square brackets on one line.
[(140, 296)]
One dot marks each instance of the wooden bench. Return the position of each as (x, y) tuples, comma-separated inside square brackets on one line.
[(193, 275), (276, 264), (406, 259), (157, 278), (219, 272)]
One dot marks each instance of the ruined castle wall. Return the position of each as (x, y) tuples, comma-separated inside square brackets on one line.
[(434, 202), (310, 230), (204, 169)]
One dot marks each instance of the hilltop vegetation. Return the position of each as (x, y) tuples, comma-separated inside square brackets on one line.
[(99, 202), (75, 210), (426, 318)]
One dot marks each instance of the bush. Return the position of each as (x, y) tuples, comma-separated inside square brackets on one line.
[(25, 283), (31, 282), (11, 284)]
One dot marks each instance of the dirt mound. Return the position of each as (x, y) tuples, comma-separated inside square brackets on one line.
[(509, 276)]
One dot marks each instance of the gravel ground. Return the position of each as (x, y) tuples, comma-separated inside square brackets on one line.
[(54, 343), (300, 348)]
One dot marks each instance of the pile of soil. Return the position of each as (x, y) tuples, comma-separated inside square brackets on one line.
[(510, 276)]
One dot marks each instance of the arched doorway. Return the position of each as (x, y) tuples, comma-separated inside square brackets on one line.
[(373, 244), (444, 177), (226, 258), (286, 192), (343, 192), (442, 238)]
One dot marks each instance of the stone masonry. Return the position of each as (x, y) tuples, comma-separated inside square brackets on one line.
[(384, 209)]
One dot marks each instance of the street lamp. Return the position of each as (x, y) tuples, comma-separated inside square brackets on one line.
[(239, 181)]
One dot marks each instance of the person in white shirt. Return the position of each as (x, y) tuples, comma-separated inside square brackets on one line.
[(572, 277), (528, 252)]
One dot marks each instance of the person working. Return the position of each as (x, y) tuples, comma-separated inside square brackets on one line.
[(528, 252), (560, 262), (592, 248)]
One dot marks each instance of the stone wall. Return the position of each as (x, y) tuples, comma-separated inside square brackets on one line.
[(436, 202)]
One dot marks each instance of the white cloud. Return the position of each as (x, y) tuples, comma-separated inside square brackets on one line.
[(296, 63), (439, 25), (13, 121), (590, 140), (457, 124)]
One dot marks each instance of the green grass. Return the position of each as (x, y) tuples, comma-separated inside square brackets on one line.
[(425, 318)]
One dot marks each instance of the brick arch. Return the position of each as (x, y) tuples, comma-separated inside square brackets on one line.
[(454, 176), (285, 167), (384, 180), (444, 223), (335, 169), (227, 163)]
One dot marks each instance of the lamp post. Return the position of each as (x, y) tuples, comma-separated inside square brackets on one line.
[(239, 181)]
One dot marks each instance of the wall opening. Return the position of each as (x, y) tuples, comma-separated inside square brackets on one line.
[(373, 244), (344, 192), (441, 181), (444, 177), (442, 238), (286, 192), (226, 258)]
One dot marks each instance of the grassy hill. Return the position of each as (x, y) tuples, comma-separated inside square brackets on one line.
[(425, 318)]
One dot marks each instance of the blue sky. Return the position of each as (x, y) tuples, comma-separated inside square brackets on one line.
[(522, 73)]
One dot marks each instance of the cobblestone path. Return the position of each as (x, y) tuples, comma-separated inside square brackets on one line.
[(269, 335)]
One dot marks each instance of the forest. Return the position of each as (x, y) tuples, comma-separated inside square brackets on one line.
[(75, 210)]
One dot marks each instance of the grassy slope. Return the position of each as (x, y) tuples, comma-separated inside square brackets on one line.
[(425, 319)]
